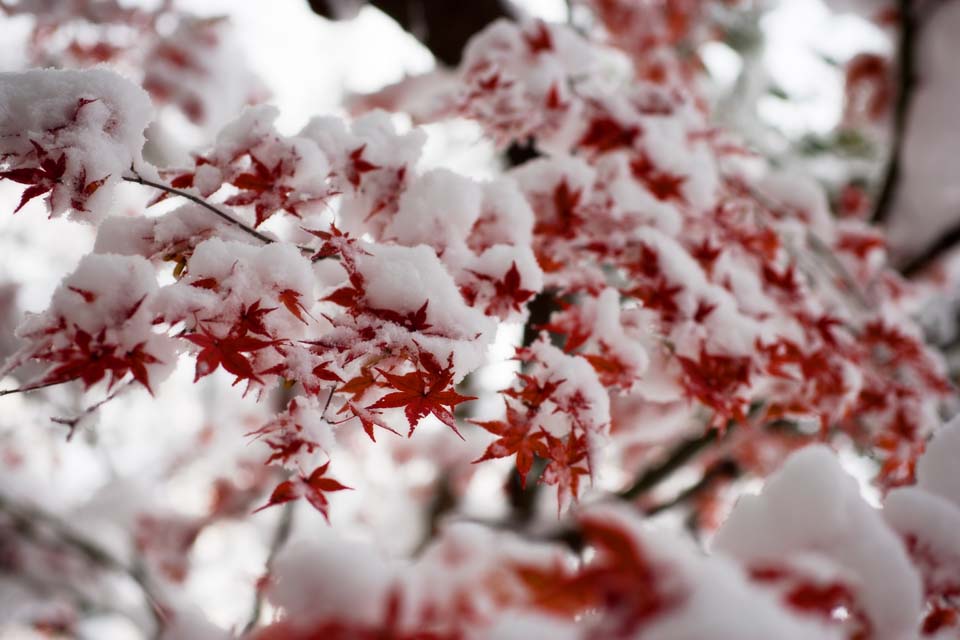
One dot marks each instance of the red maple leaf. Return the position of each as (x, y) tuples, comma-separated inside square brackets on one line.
[(515, 436), (565, 468), (539, 40), (227, 352), (291, 300), (251, 319), (313, 487), (90, 359), (566, 220), (368, 419), (663, 185), (606, 134), (358, 166), (659, 296), (533, 393), (508, 295), (41, 179), (706, 254), (411, 320), (715, 379), (611, 370), (428, 390)]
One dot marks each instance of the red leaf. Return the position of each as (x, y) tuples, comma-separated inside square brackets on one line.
[(428, 390)]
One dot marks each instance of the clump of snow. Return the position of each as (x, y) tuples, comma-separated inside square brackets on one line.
[(91, 122), (813, 508)]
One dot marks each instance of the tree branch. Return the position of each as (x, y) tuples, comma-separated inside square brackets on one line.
[(906, 82), (680, 455), (280, 536), (724, 469), (27, 519), (72, 423), (31, 387), (223, 215)]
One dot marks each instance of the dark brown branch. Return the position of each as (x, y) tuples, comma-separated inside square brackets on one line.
[(226, 217), (725, 469), (223, 215), (442, 26), (943, 245), (680, 455), (906, 83)]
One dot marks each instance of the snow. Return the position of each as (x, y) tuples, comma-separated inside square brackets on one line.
[(937, 467), (101, 140), (811, 506)]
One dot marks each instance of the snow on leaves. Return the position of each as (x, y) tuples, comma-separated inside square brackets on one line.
[(669, 284), (99, 327), (70, 135)]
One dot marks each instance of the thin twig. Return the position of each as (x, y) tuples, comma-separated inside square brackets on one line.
[(72, 423), (223, 215), (31, 387), (280, 536), (906, 82), (226, 217)]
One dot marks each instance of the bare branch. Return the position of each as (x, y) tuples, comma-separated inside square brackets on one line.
[(29, 519), (906, 83), (31, 387), (280, 536), (72, 423), (223, 215), (680, 455)]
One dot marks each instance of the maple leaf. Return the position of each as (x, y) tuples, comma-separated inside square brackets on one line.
[(663, 185), (621, 582), (137, 360), (358, 385), (611, 370), (335, 242), (659, 296), (85, 189), (508, 295), (313, 487), (251, 319), (533, 393), (786, 281), (368, 420), (606, 134), (540, 39), (358, 166), (40, 179), (706, 254), (515, 436), (90, 360), (649, 262), (227, 352), (703, 311), (427, 390), (564, 469), (566, 202), (411, 321), (291, 300), (715, 379)]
